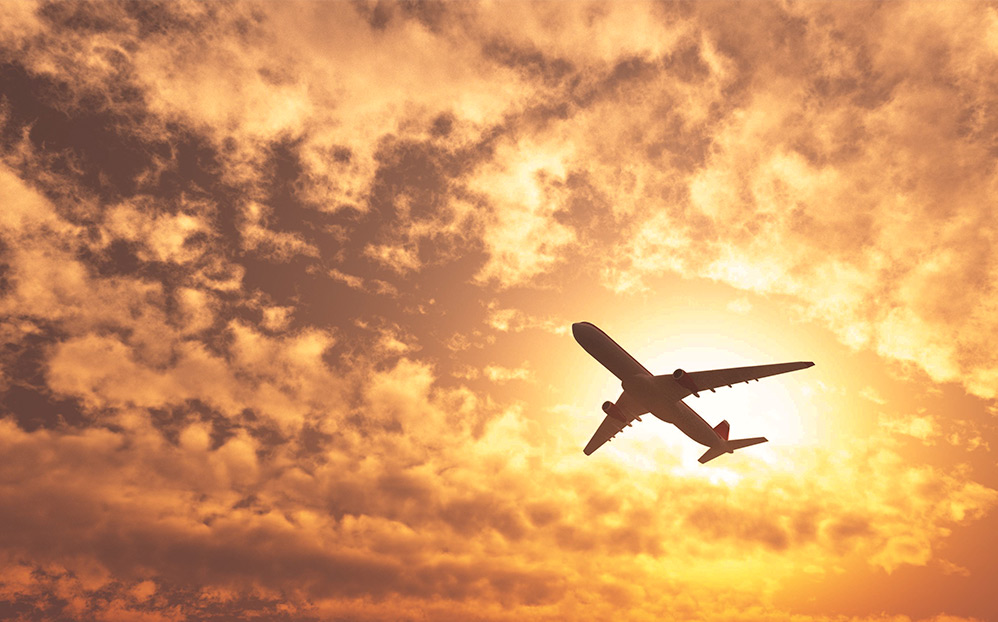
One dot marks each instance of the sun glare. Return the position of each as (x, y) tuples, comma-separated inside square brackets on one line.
[(716, 335)]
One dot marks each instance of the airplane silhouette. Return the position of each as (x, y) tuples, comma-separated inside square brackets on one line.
[(663, 396)]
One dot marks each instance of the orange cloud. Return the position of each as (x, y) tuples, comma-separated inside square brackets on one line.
[(269, 275)]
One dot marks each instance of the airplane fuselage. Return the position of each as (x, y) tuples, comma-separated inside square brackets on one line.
[(659, 400), (670, 410)]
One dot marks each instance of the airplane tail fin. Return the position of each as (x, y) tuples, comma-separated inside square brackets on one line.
[(722, 429), (729, 447)]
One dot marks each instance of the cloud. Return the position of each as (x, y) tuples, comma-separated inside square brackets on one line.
[(740, 306), (497, 373), (167, 237), (277, 245), (523, 238), (259, 261), (835, 195), (923, 427), (249, 518), (263, 442), (516, 320), (871, 394), (930, 429)]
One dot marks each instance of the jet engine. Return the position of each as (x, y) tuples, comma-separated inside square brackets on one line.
[(614, 411), (684, 380)]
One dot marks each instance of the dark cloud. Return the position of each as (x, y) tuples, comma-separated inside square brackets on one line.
[(532, 62)]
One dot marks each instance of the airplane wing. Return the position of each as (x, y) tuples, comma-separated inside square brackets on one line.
[(704, 380), (628, 408)]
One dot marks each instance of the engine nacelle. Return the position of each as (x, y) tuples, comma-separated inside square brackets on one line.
[(684, 380), (614, 411)]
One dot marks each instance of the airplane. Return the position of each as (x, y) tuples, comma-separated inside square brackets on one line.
[(663, 396)]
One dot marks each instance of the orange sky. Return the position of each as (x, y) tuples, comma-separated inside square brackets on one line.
[(286, 289)]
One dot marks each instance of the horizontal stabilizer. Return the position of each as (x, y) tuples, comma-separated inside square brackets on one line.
[(745, 442), (712, 453), (729, 447)]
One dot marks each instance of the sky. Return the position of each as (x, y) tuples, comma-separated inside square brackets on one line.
[(286, 293)]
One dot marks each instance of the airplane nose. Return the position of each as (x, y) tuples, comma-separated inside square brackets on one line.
[(585, 333)]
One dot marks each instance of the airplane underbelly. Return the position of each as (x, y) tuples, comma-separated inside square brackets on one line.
[(650, 396), (688, 421), (607, 351)]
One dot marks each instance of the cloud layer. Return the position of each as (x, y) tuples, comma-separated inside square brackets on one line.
[(273, 306)]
